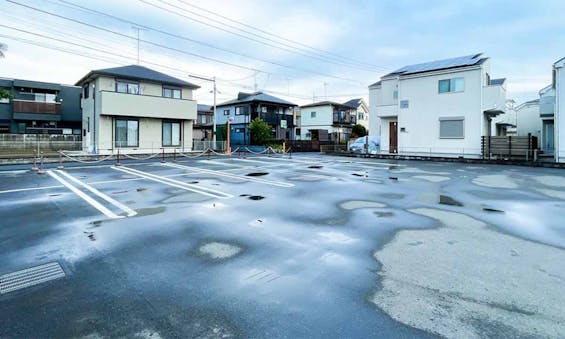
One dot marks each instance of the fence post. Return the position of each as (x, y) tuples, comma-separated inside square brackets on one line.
[(60, 160), (174, 155), (510, 147), (118, 158), (163, 156), (208, 151), (41, 170)]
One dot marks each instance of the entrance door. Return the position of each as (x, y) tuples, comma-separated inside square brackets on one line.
[(393, 137), (548, 136)]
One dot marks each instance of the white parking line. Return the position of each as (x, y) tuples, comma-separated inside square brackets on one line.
[(233, 176), (85, 197), (129, 211), (175, 183)]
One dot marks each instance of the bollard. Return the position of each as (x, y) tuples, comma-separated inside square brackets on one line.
[(163, 156), (34, 166), (175, 155), (41, 170), (60, 161), (118, 158), (208, 150), (290, 153)]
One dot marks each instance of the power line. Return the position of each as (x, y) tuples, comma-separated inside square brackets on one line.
[(165, 46), (275, 35), (292, 49)]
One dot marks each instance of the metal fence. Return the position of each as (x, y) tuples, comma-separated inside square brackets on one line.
[(202, 145), (14, 145)]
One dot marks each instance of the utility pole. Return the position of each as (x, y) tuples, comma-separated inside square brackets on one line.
[(255, 81), (138, 29), (213, 80)]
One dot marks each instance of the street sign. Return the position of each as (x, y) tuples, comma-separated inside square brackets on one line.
[(283, 123)]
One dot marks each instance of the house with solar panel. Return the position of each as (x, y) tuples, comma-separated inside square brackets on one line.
[(276, 112), (136, 110), (440, 108)]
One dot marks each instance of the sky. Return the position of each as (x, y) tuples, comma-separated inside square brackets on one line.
[(297, 50)]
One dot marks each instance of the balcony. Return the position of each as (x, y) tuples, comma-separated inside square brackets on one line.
[(344, 119), (146, 106), (25, 106), (494, 98)]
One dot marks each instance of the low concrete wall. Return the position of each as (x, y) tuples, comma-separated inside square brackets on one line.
[(23, 144)]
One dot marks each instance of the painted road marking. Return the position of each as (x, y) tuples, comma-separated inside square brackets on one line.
[(84, 196), (175, 183), (233, 176), (129, 211)]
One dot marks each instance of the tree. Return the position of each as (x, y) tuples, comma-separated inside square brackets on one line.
[(5, 94), (260, 132), (358, 131)]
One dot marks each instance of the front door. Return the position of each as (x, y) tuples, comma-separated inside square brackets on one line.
[(548, 136), (393, 137)]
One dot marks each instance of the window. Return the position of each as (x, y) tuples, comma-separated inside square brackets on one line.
[(312, 115), (452, 128), (451, 85), (127, 87), (171, 133), (226, 112), (241, 110), (403, 103), (395, 94), (88, 124), (127, 133), (264, 109), (361, 116), (239, 130), (85, 91), (171, 92)]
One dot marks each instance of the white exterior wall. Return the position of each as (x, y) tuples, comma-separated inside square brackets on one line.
[(374, 121), (421, 119), (323, 120), (528, 120), (104, 104), (560, 111)]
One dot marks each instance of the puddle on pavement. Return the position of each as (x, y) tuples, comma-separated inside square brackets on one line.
[(356, 204), (193, 182), (493, 210), (219, 250), (393, 195), (91, 236), (315, 166), (244, 195), (447, 200), (150, 211), (256, 174), (383, 214), (141, 189), (359, 174), (256, 197)]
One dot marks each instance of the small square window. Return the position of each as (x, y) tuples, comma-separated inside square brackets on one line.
[(312, 115), (226, 112)]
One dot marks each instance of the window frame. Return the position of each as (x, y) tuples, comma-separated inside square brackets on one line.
[(128, 83), (172, 89), (313, 114), (462, 119), (240, 110), (227, 111), (451, 85), (170, 122), (126, 119)]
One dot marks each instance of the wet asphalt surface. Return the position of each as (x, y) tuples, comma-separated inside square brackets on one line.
[(304, 265)]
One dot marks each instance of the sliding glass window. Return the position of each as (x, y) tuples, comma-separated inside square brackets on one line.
[(171, 133), (127, 133)]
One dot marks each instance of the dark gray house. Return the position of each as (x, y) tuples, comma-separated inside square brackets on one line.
[(40, 108)]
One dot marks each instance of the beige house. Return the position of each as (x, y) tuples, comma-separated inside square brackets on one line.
[(136, 110)]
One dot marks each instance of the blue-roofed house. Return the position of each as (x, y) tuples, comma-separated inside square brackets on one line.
[(137, 110), (441, 107), (277, 112)]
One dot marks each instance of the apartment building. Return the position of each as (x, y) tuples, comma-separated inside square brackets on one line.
[(40, 108), (441, 108), (327, 121), (136, 110), (276, 112)]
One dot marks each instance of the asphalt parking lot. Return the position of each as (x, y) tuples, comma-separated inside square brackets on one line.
[(313, 246)]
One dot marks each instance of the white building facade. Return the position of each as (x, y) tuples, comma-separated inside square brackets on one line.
[(559, 86), (327, 121), (136, 110), (440, 108)]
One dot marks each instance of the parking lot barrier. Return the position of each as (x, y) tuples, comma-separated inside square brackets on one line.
[(41, 170), (163, 156), (60, 160), (118, 158)]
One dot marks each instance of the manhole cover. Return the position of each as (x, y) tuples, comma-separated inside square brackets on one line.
[(30, 277)]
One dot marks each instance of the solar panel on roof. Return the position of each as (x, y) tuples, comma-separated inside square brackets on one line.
[(440, 64)]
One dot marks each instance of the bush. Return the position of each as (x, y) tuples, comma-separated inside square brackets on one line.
[(260, 132)]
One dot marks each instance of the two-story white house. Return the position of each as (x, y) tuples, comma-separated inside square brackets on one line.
[(436, 108), (327, 121), (136, 110), (547, 116), (362, 111)]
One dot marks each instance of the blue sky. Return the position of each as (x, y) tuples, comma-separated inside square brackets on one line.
[(522, 38)]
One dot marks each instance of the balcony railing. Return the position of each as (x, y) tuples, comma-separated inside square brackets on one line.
[(24, 106), (344, 119)]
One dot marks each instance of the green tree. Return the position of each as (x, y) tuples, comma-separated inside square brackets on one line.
[(260, 132), (5, 93), (221, 132), (358, 131)]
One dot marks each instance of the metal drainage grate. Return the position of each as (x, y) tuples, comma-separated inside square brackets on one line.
[(30, 277)]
